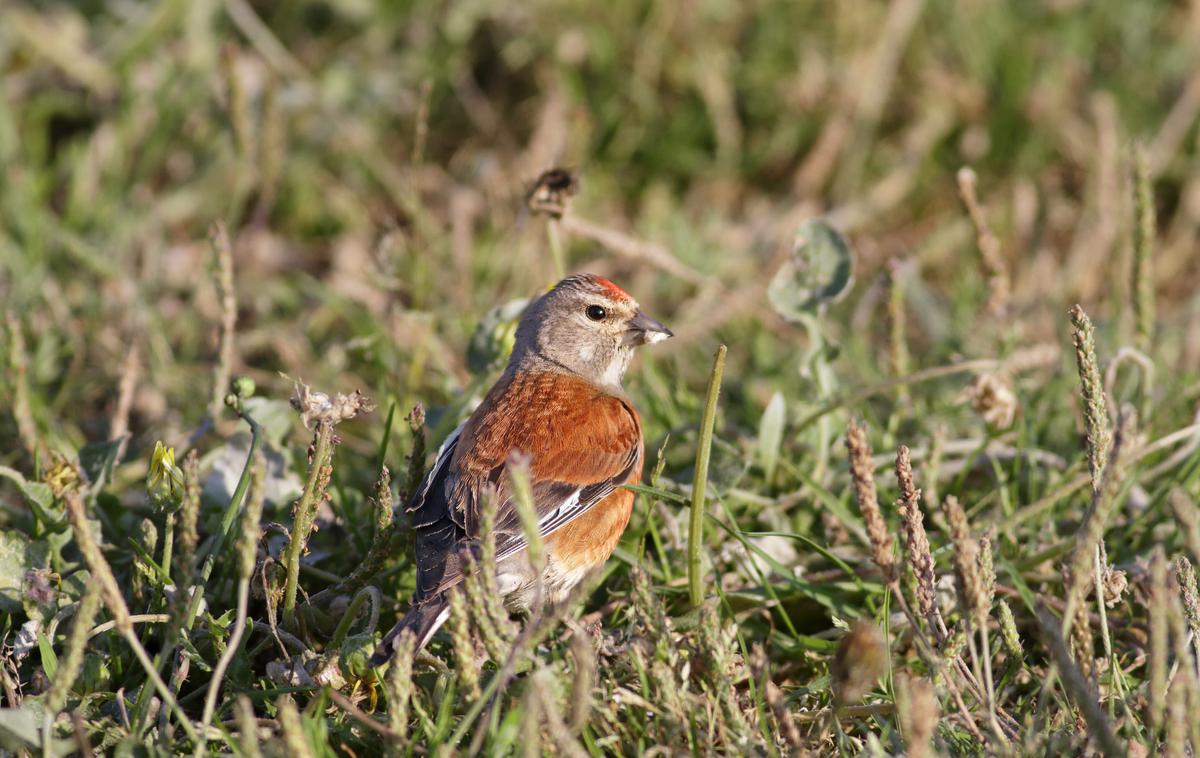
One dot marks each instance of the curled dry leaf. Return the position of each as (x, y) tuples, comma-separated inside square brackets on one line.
[(992, 397)]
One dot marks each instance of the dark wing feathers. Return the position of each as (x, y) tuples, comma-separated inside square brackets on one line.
[(582, 444)]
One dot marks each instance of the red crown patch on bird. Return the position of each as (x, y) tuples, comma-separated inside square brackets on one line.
[(612, 290)]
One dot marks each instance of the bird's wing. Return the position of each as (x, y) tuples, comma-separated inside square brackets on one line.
[(431, 517), (581, 441)]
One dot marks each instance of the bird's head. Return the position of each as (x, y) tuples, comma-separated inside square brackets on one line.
[(586, 325)]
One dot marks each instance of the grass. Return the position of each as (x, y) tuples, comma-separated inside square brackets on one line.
[(209, 208)]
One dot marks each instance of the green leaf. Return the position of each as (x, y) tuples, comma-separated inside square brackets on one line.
[(18, 554), (97, 459), (38, 497), (770, 434), (276, 417), (819, 272), (49, 659)]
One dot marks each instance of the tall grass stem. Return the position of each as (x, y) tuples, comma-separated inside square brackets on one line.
[(700, 479)]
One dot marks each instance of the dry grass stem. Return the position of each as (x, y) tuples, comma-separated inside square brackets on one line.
[(1095, 521), (71, 663), (1077, 686), (130, 372), (994, 265), (1159, 609), (227, 297), (897, 326), (972, 603), (775, 700), (18, 364)]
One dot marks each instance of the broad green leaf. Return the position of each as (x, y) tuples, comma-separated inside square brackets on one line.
[(38, 496), (819, 272), (276, 417), (21, 731), (97, 459)]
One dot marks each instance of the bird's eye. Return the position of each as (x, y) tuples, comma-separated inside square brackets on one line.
[(596, 312)]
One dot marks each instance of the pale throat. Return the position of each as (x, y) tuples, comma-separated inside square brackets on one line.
[(615, 369)]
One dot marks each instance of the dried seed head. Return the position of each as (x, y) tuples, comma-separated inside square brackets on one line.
[(320, 408), (400, 685), (971, 597), (916, 540), (416, 418), (1095, 410), (987, 577), (94, 557), (71, 662), (863, 479), (464, 646), (861, 659), (1009, 634), (1083, 643), (247, 728), (248, 545), (1191, 598), (1188, 516), (992, 257), (384, 507), (919, 714), (1114, 582), (292, 727), (552, 192), (1142, 285)]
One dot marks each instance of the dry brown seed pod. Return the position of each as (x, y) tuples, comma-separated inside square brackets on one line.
[(861, 659), (552, 192)]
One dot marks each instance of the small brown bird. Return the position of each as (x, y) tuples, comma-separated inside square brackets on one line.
[(560, 403)]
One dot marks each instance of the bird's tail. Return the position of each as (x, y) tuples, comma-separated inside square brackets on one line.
[(422, 620)]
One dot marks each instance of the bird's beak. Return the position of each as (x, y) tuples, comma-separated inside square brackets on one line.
[(643, 330)]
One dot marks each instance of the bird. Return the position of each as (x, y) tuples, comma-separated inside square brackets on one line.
[(559, 405)]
